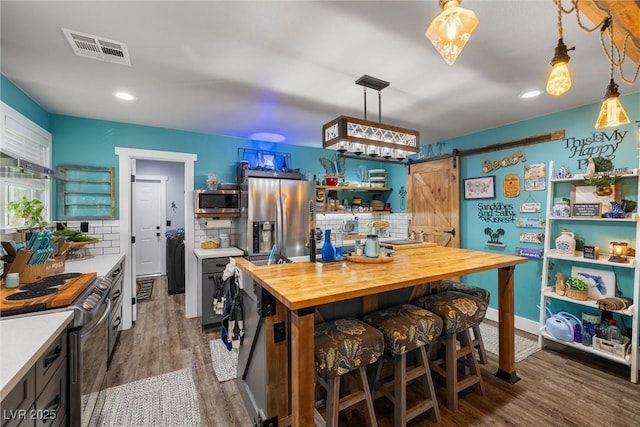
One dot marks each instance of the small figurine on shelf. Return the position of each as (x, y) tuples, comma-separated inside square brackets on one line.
[(560, 285), (591, 166)]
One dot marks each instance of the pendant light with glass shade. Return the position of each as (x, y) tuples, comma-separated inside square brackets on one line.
[(559, 79), (451, 29), (611, 113)]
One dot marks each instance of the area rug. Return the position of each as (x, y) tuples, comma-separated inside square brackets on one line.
[(164, 400), (225, 362), (144, 289), (525, 347)]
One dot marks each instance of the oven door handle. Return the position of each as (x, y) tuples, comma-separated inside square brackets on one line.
[(102, 319)]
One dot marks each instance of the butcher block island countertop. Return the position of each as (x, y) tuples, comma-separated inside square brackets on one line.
[(300, 287)]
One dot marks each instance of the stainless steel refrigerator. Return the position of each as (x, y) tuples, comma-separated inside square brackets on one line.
[(277, 212)]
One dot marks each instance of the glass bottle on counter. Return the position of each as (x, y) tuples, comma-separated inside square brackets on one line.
[(338, 246), (372, 246), (328, 252)]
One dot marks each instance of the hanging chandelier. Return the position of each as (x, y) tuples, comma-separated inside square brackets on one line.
[(451, 29), (363, 137)]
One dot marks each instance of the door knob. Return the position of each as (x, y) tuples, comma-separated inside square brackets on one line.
[(452, 232)]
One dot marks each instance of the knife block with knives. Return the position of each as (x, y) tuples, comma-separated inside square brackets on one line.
[(34, 262)]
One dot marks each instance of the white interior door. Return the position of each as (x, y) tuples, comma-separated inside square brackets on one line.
[(150, 224)]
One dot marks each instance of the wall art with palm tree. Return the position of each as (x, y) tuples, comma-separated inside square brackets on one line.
[(494, 236)]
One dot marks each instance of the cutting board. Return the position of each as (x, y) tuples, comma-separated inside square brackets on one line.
[(66, 294), (406, 246), (364, 259)]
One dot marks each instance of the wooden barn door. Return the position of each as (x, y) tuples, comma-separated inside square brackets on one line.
[(433, 201)]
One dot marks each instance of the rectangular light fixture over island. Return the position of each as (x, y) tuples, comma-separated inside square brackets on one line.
[(363, 137)]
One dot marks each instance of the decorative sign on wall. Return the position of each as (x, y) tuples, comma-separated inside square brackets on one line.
[(511, 185), (494, 237), (598, 144), (534, 177), (530, 207), (488, 165), (530, 222), (529, 253), (496, 212), (531, 237)]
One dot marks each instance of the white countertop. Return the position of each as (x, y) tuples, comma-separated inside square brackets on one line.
[(101, 264), (23, 340), (217, 253)]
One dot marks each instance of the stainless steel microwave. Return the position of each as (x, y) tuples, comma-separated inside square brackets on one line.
[(217, 203)]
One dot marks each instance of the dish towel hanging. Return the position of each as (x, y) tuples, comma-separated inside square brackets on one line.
[(232, 330)]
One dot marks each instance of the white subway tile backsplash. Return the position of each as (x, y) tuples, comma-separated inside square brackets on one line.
[(99, 230), (106, 231)]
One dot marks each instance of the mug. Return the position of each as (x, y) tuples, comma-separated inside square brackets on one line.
[(12, 280)]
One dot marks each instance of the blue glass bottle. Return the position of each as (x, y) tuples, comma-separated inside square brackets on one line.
[(328, 253)]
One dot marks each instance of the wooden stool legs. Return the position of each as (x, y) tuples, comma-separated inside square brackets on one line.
[(452, 356), (478, 344), (335, 403), (396, 389)]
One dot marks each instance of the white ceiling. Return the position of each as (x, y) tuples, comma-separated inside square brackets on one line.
[(238, 67)]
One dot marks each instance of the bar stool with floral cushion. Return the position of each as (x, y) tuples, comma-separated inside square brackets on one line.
[(406, 328), (478, 292), (460, 312), (343, 346)]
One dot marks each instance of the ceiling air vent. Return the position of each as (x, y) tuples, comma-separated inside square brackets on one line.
[(100, 48)]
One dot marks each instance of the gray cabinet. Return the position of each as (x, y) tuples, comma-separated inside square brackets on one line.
[(212, 269), (41, 396), (115, 317)]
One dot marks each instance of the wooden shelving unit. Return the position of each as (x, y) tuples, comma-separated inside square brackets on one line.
[(547, 292)]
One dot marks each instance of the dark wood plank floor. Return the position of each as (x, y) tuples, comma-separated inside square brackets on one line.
[(558, 387)]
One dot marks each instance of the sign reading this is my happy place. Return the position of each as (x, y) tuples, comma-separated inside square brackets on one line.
[(598, 144)]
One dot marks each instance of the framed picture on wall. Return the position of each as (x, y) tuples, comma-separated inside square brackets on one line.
[(483, 187)]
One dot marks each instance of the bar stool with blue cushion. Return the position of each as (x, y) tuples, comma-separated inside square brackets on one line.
[(460, 312), (343, 346), (406, 328), (481, 293)]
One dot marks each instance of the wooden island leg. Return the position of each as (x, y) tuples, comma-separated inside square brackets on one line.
[(506, 331), (302, 367)]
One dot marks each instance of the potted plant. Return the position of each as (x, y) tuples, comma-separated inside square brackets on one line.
[(603, 183), (576, 288), (29, 212), (602, 164)]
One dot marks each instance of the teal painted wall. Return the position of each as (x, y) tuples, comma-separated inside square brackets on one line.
[(579, 132), (92, 142), (13, 96)]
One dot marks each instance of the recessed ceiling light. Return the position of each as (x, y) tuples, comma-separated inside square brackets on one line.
[(124, 96), (530, 94), (267, 136)]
